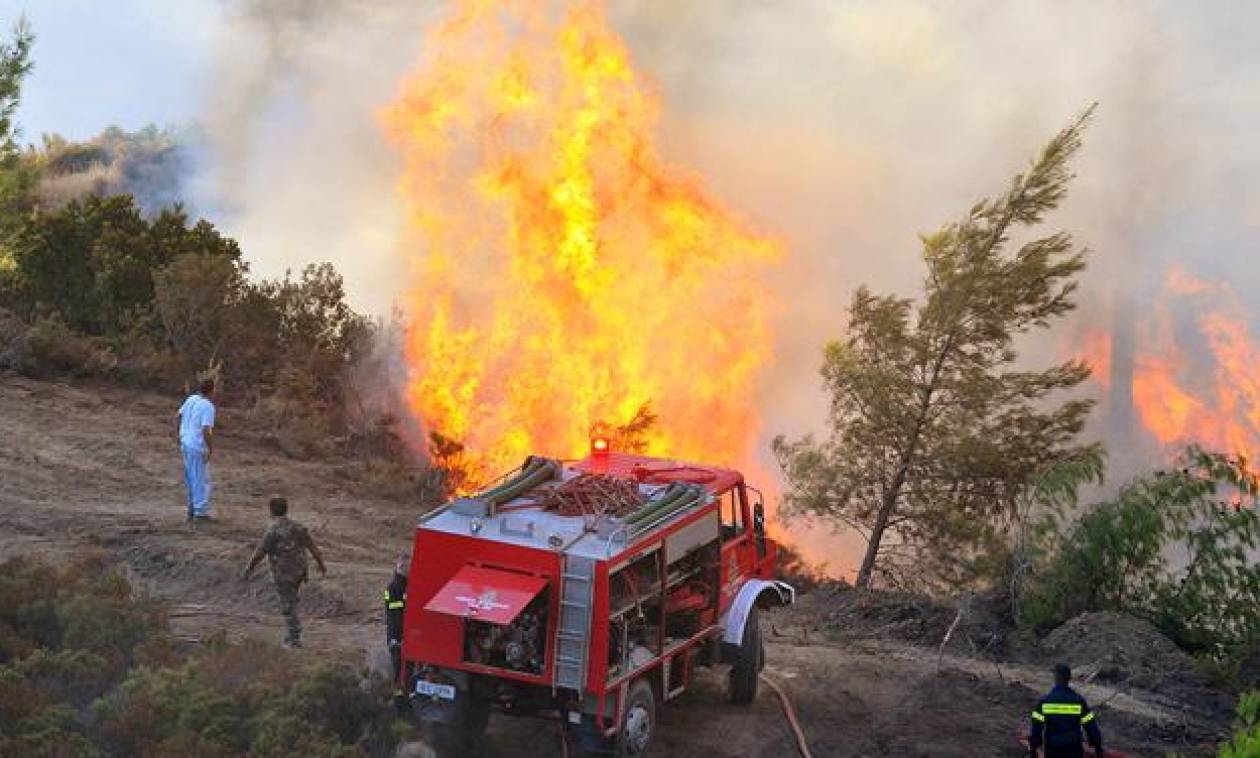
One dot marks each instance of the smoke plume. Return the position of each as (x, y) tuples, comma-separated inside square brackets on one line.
[(845, 128), (151, 165)]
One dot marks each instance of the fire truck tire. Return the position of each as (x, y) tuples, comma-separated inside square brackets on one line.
[(638, 721), (462, 735), (749, 660)]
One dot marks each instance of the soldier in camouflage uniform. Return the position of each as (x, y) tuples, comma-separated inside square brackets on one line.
[(285, 544)]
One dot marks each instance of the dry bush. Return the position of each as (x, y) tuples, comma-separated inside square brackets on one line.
[(50, 348), (300, 430), (12, 335)]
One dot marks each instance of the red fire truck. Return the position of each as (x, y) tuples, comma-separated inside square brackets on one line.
[(593, 613)]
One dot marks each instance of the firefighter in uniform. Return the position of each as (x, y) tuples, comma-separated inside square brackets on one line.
[(395, 604), (285, 543), (1058, 719)]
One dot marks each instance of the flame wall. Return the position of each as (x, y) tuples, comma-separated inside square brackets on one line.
[(564, 274)]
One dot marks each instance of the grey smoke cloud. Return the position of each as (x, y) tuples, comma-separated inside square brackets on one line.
[(296, 164), (846, 128), (150, 164)]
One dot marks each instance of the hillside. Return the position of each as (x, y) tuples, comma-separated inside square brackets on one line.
[(94, 467)]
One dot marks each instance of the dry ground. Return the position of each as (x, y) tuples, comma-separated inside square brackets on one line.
[(88, 466)]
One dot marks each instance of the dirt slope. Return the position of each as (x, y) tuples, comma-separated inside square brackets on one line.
[(95, 467)]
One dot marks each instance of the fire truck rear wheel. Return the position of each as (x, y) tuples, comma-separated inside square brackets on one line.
[(638, 722), (749, 660)]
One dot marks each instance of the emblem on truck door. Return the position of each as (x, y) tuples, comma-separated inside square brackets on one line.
[(733, 575), (486, 601)]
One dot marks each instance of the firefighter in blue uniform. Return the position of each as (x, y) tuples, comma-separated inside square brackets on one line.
[(395, 603), (1058, 719)]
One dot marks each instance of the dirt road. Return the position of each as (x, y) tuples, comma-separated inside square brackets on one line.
[(85, 466)]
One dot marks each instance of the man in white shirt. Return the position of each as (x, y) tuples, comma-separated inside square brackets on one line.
[(196, 442)]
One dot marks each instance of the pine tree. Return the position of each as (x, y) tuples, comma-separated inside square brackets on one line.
[(935, 427)]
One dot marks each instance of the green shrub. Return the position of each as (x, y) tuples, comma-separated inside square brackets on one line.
[(1118, 556), (94, 260), (331, 695), (52, 732), (66, 676), (88, 670), (1246, 740), (154, 706)]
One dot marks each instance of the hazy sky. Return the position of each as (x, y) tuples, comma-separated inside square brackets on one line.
[(125, 62)]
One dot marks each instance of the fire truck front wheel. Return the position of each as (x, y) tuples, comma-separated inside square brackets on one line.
[(638, 723), (749, 660), (455, 731)]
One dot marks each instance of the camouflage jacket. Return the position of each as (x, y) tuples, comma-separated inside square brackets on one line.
[(285, 544)]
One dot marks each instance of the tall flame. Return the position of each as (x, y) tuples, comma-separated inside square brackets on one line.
[(565, 274), (1205, 391)]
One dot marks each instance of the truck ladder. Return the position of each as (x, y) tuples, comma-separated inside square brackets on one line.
[(577, 585)]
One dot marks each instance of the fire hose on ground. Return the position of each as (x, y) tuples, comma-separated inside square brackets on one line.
[(790, 713)]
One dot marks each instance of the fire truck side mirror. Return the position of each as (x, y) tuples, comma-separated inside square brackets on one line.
[(759, 528)]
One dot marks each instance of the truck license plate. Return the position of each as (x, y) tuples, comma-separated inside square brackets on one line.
[(433, 689)]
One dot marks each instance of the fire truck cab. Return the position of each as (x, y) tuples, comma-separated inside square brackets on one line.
[(595, 619)]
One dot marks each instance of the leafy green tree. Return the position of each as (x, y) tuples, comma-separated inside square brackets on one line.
[(15, 64), (935, 429), (93, 261), (17, 180), (317, 332), (198, 300)]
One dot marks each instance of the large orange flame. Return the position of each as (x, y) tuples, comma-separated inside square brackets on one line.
[(566, 275), (1206, 392)]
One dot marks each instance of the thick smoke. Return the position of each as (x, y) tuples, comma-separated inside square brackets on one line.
[(847, 128), (151, 164), (296, 165)]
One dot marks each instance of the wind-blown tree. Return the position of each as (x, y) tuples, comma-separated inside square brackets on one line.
[(935, 424)]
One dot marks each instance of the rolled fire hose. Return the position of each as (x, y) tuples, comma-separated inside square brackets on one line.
[(671, 495), (533, 473), (666, 510), (546, 471), (530, 466), (672, 501)]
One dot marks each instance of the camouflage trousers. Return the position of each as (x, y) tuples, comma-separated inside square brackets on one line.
[(288, 592)]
